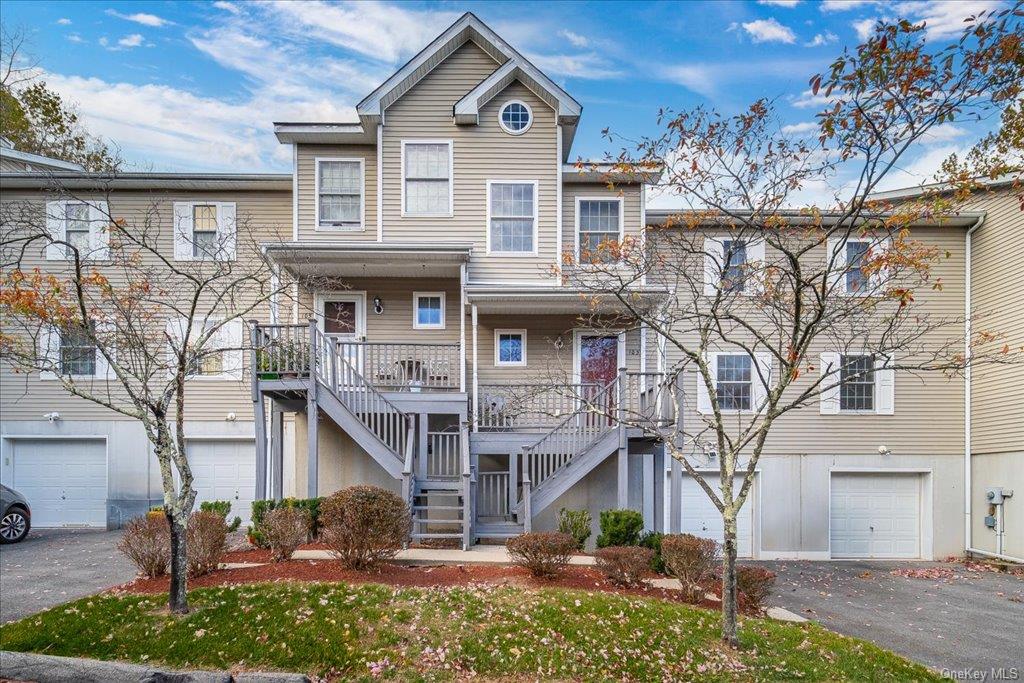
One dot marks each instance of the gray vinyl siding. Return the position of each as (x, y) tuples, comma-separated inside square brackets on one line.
[(481, 152), (267, 215), (997, 413), (307, 155), (929, 408)]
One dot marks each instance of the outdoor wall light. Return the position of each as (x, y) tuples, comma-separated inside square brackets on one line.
[(231, 417), (378, 305), (52, 417), (884, 450)]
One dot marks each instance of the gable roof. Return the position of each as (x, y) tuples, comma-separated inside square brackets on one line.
[(513, 66)]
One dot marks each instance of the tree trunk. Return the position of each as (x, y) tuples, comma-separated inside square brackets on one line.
[(729, 583), (178, 596)]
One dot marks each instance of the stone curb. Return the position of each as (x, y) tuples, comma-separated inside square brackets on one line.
[(29, 666)]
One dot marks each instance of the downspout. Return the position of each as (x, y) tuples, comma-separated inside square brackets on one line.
[(967, 403), (380, 180)]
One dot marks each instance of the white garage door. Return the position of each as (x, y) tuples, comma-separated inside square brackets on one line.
[(64, 480), (876, 515), (224, 470), (702, 518)]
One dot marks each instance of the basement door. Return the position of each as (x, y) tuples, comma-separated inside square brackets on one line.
[(875, 515)]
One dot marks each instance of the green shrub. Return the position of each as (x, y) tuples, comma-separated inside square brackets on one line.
[(260, 508), (624, 565), (222, 508), (576, 523), (652, 541), (544, 553), (285, 529), (620, 527), (754, 584), (364, 525)]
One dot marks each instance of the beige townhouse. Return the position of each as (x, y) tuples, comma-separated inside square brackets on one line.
[(429, 345)]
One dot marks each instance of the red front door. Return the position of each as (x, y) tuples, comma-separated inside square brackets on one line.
[(599, 359)]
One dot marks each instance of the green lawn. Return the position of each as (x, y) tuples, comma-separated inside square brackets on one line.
[(355, 631)]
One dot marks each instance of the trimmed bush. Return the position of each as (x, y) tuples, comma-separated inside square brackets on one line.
[(207, 534), (364, 525), (222, 508), (690, 559), (285, 529), (261, 507), (653, 540), (146, 541), (576, 523), (620, 527), (544, 553), (624, 565), (754, 584)]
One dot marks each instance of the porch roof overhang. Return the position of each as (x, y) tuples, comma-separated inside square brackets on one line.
[(542, 300), (370, 259)]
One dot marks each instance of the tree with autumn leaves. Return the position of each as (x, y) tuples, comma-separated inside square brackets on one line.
[(804, 297), (142, 306)]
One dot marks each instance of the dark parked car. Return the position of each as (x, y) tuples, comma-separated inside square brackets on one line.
[(15, 516)]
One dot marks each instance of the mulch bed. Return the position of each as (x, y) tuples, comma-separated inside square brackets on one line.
[(573, 577)]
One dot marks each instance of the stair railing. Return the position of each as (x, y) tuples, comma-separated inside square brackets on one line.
[(408, 476), (336, 370), (572, 436)]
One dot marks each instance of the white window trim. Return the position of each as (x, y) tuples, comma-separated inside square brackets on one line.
[(356, 296), (51, 352), (840, 264), (536, 215), (508, 364), (99, 233), (830, 401), (416, 325), (451, 178), (577, 346), (362, 195), (758, 391), (597, 198), (501, 123), (231, 368), (224, 229), (714, 255)]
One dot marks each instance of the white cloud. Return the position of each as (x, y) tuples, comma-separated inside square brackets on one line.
[(696, 77), (227, 6), (921, 170), (587, 65), (130, 41), (64, 21), (843, 5), (864, 28), (574, 38), (826, 38), (103, 41), (808, 99), (384, 32), (141, 18), (779, 3), (769, 31), (945, 18), (802, 128), (74, 38), (709, 79), (944, 132)]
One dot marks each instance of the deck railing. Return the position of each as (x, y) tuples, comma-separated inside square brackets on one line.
[(444, 455), (281, 350), (525, 406), (492, 494)]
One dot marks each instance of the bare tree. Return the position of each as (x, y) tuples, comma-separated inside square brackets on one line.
[(807, 303), (123, 305)]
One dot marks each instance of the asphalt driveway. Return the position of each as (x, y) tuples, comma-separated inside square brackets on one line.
[(967, 621), (52, 566)]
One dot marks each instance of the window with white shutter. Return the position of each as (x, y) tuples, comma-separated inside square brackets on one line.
[(340, 192), (219, 357), (204, 230), (741, 382), (856, 384), (732, 264), (848, 258), (77, 226), (427, 177)]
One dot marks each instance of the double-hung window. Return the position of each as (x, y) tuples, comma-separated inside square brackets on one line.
[(856, 254), (339, 194), (850, 268), (733, 264), (428, 311), (77, 352), (512, 217), (857, 388), (599, 226), (427, 178), (204, 231), (76, 234), (734, 381), (510, 348), (734, 257)]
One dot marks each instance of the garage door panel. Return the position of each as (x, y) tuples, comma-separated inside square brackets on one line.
[(701, 518), (875, 515), (64, 480), (224, 470)]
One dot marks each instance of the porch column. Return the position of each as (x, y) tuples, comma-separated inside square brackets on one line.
[(513, 479), (659, 489), (676, 490), (312, 419), (422, 447), (258, 414), (276, 452), (622, 488), (462, 328), (476, 375)]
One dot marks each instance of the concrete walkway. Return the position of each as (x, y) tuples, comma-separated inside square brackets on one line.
[(478, 554)]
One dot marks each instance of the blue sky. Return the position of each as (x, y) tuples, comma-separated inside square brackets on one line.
[(195, 86)]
